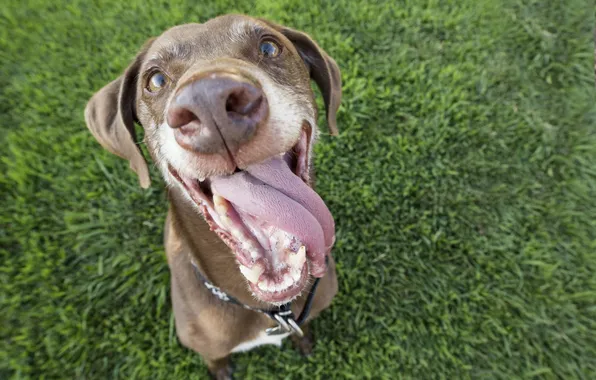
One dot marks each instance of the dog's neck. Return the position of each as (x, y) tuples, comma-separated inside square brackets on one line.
[(212, 256)]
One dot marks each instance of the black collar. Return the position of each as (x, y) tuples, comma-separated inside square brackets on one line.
[(282, 315)]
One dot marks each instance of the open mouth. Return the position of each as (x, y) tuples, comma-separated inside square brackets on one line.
[(277, 226)]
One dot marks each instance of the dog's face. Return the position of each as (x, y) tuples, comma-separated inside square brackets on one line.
[(230, 118)]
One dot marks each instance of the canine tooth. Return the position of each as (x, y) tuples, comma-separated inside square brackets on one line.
[(288, 280), (263, 285), (296, 274), (219, 201), (297, 259), (221, 207), (252, 274)]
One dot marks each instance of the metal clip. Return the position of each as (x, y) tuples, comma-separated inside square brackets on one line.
[(285, 324)]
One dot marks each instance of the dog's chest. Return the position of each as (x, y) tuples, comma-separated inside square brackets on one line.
[(260, 340)]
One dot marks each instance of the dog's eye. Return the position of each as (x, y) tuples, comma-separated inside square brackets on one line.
[(269, 49), (157, 82)]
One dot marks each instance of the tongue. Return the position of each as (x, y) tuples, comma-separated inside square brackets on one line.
[(272, 194)]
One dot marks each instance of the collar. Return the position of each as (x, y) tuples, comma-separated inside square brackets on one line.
[(282, 315)]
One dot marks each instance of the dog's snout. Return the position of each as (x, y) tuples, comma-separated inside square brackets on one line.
[(217, 112)]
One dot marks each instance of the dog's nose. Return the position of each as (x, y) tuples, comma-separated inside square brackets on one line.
[(216, 113)]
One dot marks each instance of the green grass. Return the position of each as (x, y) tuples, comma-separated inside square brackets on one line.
[(463, 185)]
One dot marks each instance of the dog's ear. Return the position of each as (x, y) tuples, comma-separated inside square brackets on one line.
[(110, 116), (322, 68)]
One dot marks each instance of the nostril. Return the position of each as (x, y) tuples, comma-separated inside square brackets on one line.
[(232, 103), (244, 102), (179, 117)]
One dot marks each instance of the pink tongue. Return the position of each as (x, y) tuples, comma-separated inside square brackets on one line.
[(270, 192)]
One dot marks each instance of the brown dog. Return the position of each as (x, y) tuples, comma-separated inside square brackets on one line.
[(230, 120)]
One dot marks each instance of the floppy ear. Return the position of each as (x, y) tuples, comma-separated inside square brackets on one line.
[(322, 68), (110, 116)]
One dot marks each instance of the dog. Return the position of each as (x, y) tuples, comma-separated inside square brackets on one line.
[(229, 118)]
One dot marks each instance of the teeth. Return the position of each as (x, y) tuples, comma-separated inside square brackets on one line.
[(297, 260), (252, 274), (270, 286), (239, 235), (220, 202), (288, 280), (254, 253), (263, 285), (201, 179), (221, 208)]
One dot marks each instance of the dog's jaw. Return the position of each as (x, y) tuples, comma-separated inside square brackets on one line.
[(274, 262)]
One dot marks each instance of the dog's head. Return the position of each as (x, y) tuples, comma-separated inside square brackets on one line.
[(230, 118)]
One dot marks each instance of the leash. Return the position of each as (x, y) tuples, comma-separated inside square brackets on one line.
[(282, 315)]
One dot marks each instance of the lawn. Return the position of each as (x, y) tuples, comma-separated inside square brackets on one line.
[(463, 184)]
